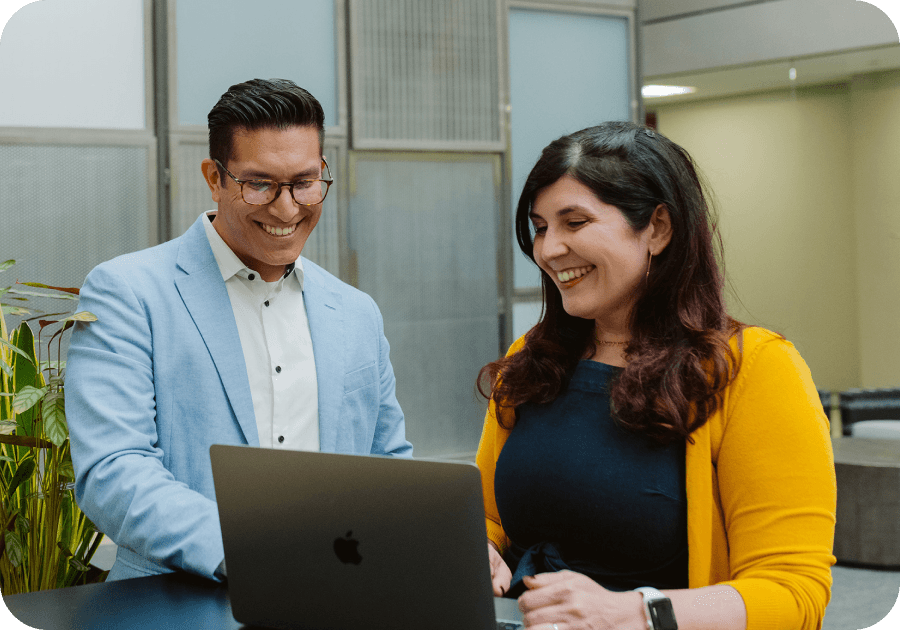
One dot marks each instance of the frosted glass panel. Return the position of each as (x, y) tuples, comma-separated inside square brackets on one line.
[(568, 71), (424, 236), (74, 63), (525, 316), (231, 41), (95, 209)]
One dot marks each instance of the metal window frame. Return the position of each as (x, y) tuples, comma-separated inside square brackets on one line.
[(43, 136)]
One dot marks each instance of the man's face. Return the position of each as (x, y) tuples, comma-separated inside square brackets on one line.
[(267, 238)]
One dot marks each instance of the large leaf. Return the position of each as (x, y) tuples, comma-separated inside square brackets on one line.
[(6, 344), (18, 311), (72, 290), (23, 472), (82, 316), (15, 550), (60, 296), (27, 397), (54, 412), (26, 373), (66, 470)]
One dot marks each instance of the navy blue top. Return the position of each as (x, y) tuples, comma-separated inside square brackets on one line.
[(575, 490)]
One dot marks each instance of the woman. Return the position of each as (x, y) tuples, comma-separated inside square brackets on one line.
[(638, 436)]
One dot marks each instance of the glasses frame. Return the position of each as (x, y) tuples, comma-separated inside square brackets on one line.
[(241, 182)]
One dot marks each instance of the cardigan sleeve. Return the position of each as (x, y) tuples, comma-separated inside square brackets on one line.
[(776, 481), (493, 437)]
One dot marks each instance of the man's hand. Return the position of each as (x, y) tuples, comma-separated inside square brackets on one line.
[(500, 573)]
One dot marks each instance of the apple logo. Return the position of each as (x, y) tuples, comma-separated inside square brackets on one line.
[(346, 549)]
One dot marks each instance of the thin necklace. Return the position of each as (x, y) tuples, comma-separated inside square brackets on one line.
[(611, 343)]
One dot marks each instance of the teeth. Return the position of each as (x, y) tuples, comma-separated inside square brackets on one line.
[(571, 274), (277, 231)]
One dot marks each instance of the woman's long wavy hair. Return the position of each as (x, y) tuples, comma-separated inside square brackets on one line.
[(678, 359)]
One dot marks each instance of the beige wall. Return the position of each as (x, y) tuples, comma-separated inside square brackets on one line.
[(781, 169), (875, 140)]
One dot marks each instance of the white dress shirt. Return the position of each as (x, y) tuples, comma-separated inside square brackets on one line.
[(278, 352)]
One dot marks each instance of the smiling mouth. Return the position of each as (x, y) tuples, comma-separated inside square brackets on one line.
[(279, 231), (571, 277)]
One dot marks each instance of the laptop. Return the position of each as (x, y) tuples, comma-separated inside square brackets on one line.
[(349, 542)]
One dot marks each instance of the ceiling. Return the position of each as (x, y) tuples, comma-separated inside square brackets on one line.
[(830, 68)]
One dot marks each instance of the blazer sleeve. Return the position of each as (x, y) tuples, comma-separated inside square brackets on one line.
[(776, 480), (390, 428), (121, 482)]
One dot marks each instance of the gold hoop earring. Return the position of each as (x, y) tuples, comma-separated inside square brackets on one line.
[(649, 260)]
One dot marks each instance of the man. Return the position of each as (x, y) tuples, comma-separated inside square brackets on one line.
[(223, 335)]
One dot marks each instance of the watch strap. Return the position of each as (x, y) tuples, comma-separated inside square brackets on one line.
[(658, 609)]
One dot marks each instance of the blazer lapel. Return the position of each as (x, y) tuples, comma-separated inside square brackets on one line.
[(206, 299), (324, 310)]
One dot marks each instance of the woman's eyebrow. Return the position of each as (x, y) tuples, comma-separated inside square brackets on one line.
[(560, 213)]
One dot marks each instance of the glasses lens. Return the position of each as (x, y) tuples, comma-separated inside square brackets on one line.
[(259, 192), (310, 191)]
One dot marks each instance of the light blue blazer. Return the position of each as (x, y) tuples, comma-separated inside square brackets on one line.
[(161, 376)]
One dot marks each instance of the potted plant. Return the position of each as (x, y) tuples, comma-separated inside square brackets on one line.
[(46, 541)]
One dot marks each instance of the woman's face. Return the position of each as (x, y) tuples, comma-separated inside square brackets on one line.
[(595, 258)]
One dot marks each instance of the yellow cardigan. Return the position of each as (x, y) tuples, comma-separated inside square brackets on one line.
[(761, 489)]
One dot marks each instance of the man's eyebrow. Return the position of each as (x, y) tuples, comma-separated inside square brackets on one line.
[(310, 173)]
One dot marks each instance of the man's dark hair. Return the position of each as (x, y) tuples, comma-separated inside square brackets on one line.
[(260, 104)]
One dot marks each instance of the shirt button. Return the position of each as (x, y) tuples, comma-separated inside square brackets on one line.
[(280, 439), (252, 276), (266, 302), (278, 369)]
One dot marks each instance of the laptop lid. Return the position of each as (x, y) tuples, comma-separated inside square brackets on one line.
[(321, 540)]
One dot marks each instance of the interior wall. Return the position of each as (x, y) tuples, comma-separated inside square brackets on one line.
[(875, 114), (780, 167)]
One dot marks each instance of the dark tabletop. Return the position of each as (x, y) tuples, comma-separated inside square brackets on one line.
[(171, 601)]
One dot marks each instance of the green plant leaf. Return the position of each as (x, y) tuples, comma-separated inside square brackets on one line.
[(59, 296), (6, 264), (18, 311), (23, 472), (82, 316), (72, 290), (7, 427), (28, 397), (23, 526), (4, 342), (53, 410), (15, 550), (5, 458), (77, 564), (66, 470)]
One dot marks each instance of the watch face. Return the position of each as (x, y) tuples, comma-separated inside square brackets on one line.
[(662, 614)]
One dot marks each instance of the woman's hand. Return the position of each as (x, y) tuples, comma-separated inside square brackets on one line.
[(571, 601), (500, 573)]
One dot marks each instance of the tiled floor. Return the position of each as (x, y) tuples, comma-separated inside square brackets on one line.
[(860, 598)]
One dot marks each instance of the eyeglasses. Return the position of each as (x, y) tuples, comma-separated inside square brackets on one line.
[(260, 192)]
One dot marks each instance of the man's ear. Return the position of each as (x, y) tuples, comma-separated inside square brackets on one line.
[(211, 175), (660, 229)]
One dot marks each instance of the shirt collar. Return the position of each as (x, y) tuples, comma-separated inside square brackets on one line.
[(229, 264)]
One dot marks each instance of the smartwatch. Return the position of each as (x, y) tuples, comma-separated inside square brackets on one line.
[(658, 608)]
